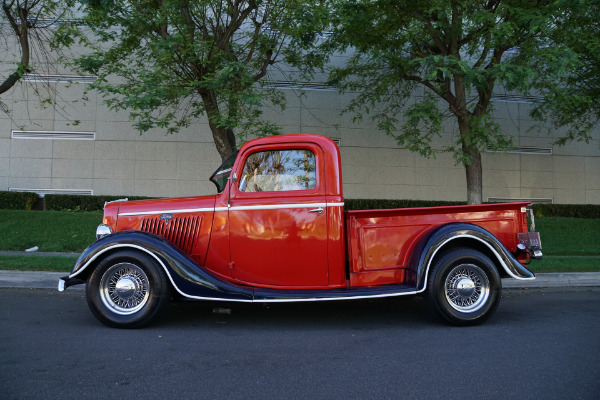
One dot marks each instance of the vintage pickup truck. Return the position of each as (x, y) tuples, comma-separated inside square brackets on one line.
[(277, 231)]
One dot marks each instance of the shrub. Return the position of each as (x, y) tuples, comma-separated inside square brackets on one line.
[(74, 202), (17, 200), (590, 211), (374, 204)]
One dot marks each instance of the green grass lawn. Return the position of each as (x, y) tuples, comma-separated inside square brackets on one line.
[(37, 263), (569, 236), (49, 230), (566, 264), (57, 231)]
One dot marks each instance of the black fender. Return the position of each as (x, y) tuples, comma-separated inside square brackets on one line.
[(442, 238), (187, 277)]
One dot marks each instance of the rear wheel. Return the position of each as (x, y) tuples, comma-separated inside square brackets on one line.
[(127, 290), (464, 287)]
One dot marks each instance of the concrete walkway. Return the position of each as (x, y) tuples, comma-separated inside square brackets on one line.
[(49, 280), (37, 253), (32, 279), (555, 279)]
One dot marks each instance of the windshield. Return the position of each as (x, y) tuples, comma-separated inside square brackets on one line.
[(220, 176)]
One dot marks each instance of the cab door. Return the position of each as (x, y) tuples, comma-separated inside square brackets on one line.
[(278, 218)]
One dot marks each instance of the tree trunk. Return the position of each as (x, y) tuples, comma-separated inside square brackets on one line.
[(224, 138), (472, 157), (474, 177), (473, 168)]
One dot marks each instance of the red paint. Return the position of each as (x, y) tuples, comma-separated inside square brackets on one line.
[(133, 213), (383, 240), (280, 239)]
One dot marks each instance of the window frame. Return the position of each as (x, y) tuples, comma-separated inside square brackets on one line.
[(319, 184)]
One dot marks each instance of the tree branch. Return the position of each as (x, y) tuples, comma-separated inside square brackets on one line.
[(22, 32), (432, 31)]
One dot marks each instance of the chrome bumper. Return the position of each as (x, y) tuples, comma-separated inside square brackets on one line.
[(66, 282)]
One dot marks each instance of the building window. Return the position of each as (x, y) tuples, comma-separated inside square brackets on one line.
[(53, 135)]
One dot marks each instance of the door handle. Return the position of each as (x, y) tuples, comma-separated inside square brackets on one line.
[(317, 210)]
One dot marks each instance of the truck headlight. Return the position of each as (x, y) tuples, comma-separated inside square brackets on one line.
[(103, 230)]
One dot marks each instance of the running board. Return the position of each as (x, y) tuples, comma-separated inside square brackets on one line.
[(278, 295)]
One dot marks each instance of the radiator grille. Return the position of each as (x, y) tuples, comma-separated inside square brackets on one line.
[(181, 231)]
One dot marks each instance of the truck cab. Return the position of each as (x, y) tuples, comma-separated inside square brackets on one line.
[(284, 209)]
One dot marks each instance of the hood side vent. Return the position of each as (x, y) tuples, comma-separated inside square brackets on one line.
[(181, 231)]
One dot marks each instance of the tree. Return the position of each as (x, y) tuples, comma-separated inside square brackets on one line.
[(573, 102), (28, 23), (180, 59), (459, 52)]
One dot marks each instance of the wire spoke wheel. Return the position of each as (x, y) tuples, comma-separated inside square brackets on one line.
[(464, 286), (127, 289), (467, 288), (124, 288)]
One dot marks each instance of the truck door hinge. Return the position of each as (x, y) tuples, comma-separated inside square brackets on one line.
[(231, 265)]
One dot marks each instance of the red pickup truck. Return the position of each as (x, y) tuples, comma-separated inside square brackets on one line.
[(277, 231)]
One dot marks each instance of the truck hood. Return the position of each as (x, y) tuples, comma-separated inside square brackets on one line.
[(167, 206)]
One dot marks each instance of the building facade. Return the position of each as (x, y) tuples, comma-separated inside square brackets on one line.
[(78, 145)]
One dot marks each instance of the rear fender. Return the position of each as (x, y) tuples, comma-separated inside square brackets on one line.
[(447, 236), (187, 277)]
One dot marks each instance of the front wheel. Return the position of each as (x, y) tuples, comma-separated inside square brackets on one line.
[(464, 287), (127, 290)]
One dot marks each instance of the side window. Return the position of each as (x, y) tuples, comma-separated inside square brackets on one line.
[(279, 170)]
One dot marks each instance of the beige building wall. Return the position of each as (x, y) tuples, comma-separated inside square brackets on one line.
[(104, 154)]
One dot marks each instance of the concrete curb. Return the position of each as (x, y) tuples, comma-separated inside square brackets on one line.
[(32, 279), (555, 279), (49, 280), (37, 253)]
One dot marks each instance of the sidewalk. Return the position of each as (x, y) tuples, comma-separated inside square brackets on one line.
[(37, 253), (555, 279), (49, 280), (32, 279)]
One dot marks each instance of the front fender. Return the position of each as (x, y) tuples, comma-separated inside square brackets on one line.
[(187, 277), (442, 237)]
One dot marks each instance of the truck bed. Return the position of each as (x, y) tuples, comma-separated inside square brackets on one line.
[(380, 242)]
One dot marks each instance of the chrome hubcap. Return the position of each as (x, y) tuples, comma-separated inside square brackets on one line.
[(467, 288), (124, 288)]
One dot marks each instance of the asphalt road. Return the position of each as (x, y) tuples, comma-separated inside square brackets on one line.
[(540, 344)]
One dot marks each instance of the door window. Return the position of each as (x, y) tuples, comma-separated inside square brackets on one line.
[(279, 170)]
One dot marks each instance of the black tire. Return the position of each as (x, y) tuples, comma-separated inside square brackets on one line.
[(127, 289), (463, 287)]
